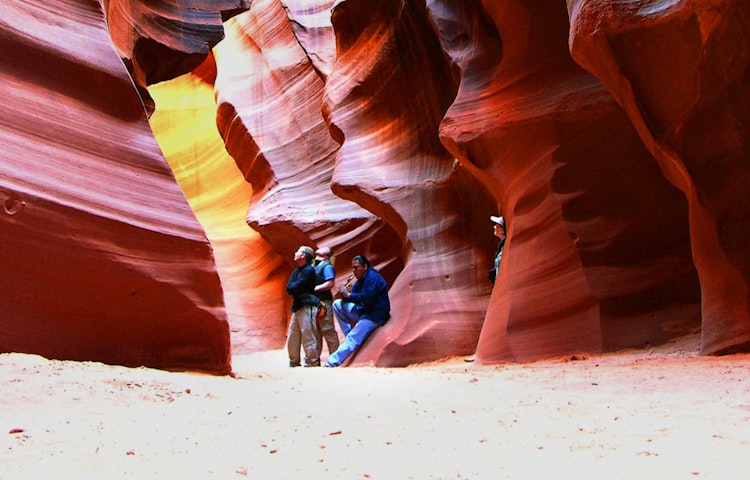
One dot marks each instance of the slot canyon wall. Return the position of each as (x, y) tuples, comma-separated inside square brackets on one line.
[(102, 257), (613, 137)]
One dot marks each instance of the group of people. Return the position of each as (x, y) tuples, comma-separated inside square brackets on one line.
[(359, 310)]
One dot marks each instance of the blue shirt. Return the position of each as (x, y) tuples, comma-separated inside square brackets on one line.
[(324, 272)]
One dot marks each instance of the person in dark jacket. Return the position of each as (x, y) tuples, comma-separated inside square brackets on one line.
[(360, 311), (302, 326)]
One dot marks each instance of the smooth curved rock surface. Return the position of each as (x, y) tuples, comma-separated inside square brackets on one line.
[(391, 129), (311, 25), (103, 259), (252, 275), (392, 163), (162, 40), (687, 96), (283, 147), (591, 263)]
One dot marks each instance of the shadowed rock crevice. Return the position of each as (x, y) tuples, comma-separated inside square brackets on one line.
[(685, 96), (564, 164)]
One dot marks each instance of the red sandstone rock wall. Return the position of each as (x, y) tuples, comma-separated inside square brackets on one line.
[(102, 257), (598, 253), (680, 70), (395, 129)]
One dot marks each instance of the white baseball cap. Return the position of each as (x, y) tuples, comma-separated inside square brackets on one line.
[(499, 220)]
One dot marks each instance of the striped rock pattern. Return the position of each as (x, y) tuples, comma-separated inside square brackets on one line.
[(611, 135)]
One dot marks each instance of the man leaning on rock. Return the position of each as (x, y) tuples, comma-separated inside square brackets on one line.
[(360, 311)]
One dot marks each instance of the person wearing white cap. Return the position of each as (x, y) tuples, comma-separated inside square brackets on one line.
[(499, 224)]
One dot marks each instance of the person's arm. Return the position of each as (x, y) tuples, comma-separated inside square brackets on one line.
[(300, 281), (344, 292), (367, 295), (325, 286), (292, 285), (330, 276)]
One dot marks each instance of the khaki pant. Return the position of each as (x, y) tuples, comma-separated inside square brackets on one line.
[(303, 332)]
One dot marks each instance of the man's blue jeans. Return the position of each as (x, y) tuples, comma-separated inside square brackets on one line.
[(355, 336)]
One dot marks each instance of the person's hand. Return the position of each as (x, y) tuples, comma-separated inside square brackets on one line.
[(344, 287)]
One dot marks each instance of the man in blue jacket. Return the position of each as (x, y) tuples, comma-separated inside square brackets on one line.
[(360, 311)]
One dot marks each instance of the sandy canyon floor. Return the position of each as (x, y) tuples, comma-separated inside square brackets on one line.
[(661, 413)]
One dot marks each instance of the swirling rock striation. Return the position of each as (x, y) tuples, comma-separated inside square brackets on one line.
[(392, 162), (162, 40), (283, 146), (611, 135), (591, 263), (103, 258)]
